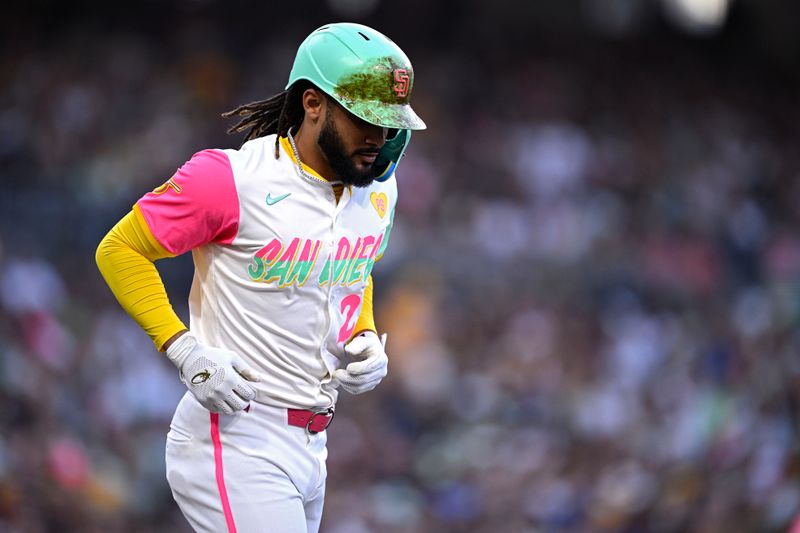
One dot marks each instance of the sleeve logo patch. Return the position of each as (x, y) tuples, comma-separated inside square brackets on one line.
[(169, 184), (379, 202)]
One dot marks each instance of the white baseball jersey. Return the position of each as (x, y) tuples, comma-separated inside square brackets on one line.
[(280, 266)]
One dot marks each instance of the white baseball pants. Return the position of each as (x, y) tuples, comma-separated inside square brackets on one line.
[(248, 472)]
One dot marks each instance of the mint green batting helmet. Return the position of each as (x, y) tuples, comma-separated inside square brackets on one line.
[(363, 70)]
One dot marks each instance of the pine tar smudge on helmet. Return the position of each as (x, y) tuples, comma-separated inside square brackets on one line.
[(363, 70)]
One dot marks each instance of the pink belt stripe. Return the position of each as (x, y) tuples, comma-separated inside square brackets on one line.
[(223, 492)]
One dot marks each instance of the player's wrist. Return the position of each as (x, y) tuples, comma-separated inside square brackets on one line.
[(167, 343), (181, 348), (366, 333)]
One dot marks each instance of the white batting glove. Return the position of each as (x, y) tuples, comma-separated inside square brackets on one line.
[(371, 363), (215, 376)]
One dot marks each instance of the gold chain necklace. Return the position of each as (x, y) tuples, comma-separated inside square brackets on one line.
[(300, 163)]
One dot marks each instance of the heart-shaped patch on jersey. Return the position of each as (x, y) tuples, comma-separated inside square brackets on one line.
[(379, 202)]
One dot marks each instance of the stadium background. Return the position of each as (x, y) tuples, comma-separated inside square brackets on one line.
[(592, 290)]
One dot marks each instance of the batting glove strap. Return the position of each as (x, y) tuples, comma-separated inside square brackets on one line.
[(369, 369), (216, 377), (178, 352)]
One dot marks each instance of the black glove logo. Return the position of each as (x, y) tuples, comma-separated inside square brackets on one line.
[(203, 376)]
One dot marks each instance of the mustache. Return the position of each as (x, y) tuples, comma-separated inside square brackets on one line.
[(367, 151)]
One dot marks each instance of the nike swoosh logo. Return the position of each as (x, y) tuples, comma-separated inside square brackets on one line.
[(275, 200)]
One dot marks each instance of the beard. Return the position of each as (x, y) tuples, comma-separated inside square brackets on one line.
[(330, 142)]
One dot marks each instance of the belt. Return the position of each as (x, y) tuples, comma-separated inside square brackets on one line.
[(313, 421)]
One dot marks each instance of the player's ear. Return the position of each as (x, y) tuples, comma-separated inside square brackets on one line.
[(314, 104)]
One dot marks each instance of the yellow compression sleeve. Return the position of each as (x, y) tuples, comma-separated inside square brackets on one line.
[(366, 320), (125, 258)]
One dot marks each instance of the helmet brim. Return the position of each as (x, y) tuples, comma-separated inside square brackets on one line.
[(398, 116)]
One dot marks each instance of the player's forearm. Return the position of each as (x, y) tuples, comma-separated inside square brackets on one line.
[(366, 320), (125, 258)]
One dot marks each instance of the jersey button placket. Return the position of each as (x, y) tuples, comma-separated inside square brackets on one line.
[(330, 309)]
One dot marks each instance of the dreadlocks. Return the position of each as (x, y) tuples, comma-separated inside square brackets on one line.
[(277, 114)]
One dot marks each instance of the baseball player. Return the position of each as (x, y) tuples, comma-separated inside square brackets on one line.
[(284, 233)]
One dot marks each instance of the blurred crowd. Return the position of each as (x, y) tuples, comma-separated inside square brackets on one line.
[(592, 290)]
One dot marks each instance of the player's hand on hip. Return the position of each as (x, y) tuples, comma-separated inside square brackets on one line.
[(218, 378), (371, 364)]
